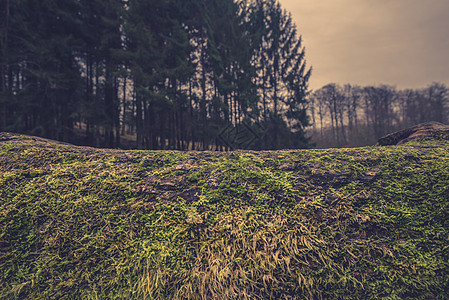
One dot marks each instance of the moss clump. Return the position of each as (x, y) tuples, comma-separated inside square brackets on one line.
[(83, 223)]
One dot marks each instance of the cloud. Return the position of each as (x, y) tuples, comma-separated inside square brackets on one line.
[(398, 42)]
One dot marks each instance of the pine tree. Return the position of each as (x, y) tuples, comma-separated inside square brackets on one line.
[(282, 75), (160, 48), (4, 31), (173, 72), (44, 65)]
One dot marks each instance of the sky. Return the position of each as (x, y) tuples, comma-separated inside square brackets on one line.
[(404, 43)]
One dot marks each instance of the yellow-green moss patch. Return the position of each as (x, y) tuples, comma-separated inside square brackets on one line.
[(83, 223)]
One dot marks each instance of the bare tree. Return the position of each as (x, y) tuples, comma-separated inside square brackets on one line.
[(379, 112), (436, 97), (332, 97)]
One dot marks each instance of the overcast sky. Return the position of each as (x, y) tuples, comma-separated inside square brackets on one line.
[(369, 42)]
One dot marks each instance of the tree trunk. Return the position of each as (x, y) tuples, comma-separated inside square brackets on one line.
[(4, 61), (139, 121)]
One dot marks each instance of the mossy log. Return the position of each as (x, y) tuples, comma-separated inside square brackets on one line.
[(424, 130), (359, 223)]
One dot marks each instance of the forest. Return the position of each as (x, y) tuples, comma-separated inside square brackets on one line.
[(154, 74), (184, 75), (80, 222), (352, 115)]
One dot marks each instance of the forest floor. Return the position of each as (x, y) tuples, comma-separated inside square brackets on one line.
[(359, 223)]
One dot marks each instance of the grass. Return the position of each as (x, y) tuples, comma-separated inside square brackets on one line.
[(361, 223)]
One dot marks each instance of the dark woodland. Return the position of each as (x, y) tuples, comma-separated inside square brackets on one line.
[(183, 75), (186, 75)]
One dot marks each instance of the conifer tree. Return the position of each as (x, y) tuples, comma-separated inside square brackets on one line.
[(4, 31), (44, 65), (282, 75), (174, 73)]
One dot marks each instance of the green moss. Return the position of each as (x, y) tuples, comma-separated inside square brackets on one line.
[(365, 223)]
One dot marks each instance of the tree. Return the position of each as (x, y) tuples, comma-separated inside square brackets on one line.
[(173, 73), (43, 69), (331, 96), (379, 105), (282, 73), (436, 99), (102, 40), (4, 30), (160, 50)]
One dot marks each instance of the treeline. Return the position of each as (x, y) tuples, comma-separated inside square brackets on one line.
[(154, 74), (352, 115)]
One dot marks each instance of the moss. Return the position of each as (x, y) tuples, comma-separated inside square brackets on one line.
[(83, 223)]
